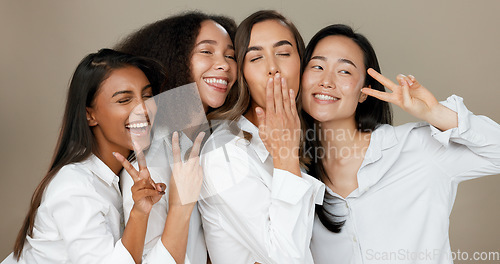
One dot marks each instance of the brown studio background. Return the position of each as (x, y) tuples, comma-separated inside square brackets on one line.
[(450, 46)]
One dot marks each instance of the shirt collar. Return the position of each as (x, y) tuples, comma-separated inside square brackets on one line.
[(384, 137), (256, 142), (100, 169)]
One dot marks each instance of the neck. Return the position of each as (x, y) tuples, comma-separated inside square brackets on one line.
[(341, 134), (342, 140), (251, 115), (105, 151)]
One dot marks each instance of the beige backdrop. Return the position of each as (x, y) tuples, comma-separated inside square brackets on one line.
[(450, 46)]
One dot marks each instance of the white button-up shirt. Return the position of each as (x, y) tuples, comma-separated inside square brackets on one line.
[(158, 158), (407, 186), (252, 212), (79, 219)]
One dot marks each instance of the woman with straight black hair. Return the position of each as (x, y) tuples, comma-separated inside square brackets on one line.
[(389, 190), (75, 214)]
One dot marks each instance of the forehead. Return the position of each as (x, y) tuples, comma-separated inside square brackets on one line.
[(339, 47), (127, 78), (267, 33), (210, 29)]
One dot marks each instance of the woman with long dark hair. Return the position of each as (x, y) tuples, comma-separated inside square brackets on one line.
[(194, 48), (389, 190), (257, 205), (75, 214)]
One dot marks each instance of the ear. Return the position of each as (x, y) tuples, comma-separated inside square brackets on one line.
[(91, 121), (363, 96)]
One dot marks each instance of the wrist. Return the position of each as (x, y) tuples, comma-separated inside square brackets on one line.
[(138, 214), (442, 117), (181, 211), (290, 165)]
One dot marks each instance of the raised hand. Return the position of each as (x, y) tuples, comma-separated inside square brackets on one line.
[(145, 192), (187, 177), (279, 125), (413, 98)]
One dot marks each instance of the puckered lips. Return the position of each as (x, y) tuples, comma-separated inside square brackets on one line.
[(217, 83)]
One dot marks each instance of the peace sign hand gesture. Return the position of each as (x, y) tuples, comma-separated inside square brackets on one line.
[(413, 98), (145, 192), (187, 177)]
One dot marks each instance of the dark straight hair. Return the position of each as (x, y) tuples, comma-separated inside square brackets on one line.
[(76, 141), (369, 114)]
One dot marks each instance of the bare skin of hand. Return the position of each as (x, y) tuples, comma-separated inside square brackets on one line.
[(185, 185), (415, 99), (145, 193), (279, 125), (184, 190)]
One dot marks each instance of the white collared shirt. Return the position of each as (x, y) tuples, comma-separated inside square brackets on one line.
[(158, 158), (407, 186), (252, 212), (80, 218)]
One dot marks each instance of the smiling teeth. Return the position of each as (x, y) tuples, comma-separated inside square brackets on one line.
[(325, 97), (214, 80), (138, 125)]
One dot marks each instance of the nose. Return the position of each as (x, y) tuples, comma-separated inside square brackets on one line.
[(141, 109), (221, 63), (272, 67), (327, 81)]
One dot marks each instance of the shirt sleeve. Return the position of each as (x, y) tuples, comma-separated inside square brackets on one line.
[(470, 150), (248, 219), (80, 219)]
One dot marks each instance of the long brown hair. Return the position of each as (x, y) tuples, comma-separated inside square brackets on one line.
[(238, 100), (76, 141)]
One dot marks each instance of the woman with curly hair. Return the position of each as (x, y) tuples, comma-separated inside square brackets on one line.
[(193, 47)]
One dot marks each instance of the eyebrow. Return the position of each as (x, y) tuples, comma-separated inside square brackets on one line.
[(129, 92), (341, 60), (347, 61), (213, 42), (275, 45)]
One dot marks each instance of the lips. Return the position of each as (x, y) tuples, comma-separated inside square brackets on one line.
[(217, 83), (138, 128), (325, 98)]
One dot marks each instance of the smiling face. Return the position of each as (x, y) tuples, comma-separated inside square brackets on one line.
[(272, 49), (333, 79), (213, 65), (121, 112)]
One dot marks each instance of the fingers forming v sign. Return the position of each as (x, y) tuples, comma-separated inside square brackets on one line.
[(187, 177), (145, 192), (279, 125), (410, 95)]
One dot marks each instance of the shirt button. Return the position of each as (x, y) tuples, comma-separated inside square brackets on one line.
[(346, 205), (354, 239)]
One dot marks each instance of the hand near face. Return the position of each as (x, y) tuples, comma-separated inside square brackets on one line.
[(145, 192), (187, 177), (413, 98), (279, 125)]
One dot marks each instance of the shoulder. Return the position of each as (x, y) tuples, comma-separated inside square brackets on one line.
[(72, 178), (228, 135)]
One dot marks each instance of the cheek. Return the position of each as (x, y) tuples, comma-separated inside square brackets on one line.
[(233, 70), (199, 65)]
